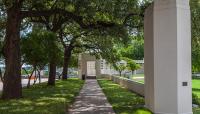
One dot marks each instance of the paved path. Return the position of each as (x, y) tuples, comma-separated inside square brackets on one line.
[(24, 82), (91, 100)]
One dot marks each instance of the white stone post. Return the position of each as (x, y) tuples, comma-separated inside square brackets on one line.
[(168, 57)]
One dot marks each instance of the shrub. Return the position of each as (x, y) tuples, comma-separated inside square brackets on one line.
[(195, 99)]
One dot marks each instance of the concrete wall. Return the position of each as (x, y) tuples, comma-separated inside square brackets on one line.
[(127, 83)]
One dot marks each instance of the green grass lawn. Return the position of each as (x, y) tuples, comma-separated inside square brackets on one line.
[(196, 87), (195, 83), (138, 75), (42, 99), (196, 111), (122, 100), (120, 106), (196, 90), (138, 78)]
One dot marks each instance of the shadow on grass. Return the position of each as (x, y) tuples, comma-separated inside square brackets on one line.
[(196, 89), (43, 99), (196, 110), (122, 100)]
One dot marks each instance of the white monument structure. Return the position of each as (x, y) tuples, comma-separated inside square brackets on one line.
[(168, 57), (88, 66)]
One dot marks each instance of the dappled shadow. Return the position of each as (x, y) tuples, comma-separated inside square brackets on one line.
[(195, 89), (42, 99), (196, 110)]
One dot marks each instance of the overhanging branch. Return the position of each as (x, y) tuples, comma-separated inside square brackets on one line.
[(66, 16)]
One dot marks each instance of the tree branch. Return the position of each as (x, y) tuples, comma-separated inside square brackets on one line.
[(42, 21), (68, 15)]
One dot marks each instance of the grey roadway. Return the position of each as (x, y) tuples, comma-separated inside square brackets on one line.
[(24, 82), (91, 100)]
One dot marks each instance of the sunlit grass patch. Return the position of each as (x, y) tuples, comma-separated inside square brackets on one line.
[(122, 100), (196, 87), (43, 99)]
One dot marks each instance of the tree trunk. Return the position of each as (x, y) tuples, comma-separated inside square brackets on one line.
[(52, 73), (39, 76), (52, 64), (120, 73), (12, 88), (35, 77), (67, 56), (29, 77), (1, 76)]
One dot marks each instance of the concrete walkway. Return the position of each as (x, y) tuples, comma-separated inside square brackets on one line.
[(91, 100)]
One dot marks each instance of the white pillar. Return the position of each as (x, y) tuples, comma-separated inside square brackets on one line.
[(168, 57)]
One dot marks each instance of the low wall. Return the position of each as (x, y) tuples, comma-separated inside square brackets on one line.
[(127, 83)]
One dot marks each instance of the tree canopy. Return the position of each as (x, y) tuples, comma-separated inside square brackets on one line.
[(107, 22), (195, 12)]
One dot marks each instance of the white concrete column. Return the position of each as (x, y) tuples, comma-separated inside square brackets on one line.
[(149, 58), (168, 57)]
